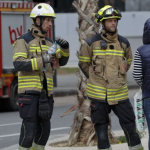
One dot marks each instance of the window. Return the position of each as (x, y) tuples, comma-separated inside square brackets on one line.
[(62, 6), (120, 4)]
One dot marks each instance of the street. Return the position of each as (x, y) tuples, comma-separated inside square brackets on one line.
[(10, 122)]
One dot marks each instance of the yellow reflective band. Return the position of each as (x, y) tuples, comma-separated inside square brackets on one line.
[(96, 90), (50, 84), (45, 46), (116, 11), (32, 15), (64, 54), (93, 92), (44, 49), (31, 77), (34, 64), (95, 86), (50, 88), (84, 59), (115, 91), (110, 17), (44, 6), (34, 49), (49, 14), (29, 80), (30, 85), (114, 52), (20, 55), (108, 52), (129, 61), (94, 95), (50, 79), (27, 86), (117, 97), (99, 52)]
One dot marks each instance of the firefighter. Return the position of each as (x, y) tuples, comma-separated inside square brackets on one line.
[(105, 59), (35, 83)]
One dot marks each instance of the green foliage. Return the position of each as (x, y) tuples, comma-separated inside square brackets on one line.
[(122, 139)]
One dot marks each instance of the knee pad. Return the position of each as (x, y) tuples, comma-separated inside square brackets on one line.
[(27, 134), (102, 135), (42, 133)]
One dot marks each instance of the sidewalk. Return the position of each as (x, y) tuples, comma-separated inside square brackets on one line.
[(62, 100), (123, 146), (132, 91)]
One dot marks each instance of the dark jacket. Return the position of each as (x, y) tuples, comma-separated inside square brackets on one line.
[(144, 52)]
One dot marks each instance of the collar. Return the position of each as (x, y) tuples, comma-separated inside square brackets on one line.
[(109, 38), (36, 31)]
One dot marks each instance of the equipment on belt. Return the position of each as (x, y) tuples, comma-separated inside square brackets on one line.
[(44, 108)]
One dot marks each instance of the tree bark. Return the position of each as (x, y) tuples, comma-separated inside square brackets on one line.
[(82, 130)]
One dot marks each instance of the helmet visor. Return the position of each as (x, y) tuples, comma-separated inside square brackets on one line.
[(111, 12)]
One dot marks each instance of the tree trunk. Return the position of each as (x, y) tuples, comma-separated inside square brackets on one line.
[(82, 130)]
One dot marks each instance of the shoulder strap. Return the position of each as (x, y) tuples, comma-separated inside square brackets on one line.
[(120, 41)]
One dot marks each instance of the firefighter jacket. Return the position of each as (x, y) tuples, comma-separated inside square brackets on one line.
[(105, 60), (28, 61)]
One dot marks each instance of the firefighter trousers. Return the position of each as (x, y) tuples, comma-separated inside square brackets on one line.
[(124, 111), (35, 131)]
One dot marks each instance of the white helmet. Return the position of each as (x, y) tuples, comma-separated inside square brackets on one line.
[(42, 9)]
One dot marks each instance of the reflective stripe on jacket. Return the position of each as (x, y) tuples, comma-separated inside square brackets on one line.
[(106, 68), (27, 60)]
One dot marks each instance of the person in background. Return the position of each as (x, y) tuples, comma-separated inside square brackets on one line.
[(35, 69), (141, 71), (105, 59)]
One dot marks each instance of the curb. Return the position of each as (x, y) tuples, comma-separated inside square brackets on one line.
[(122, 146)]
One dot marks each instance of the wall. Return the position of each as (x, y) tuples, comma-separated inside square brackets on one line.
[(137, 5), (130, 26)]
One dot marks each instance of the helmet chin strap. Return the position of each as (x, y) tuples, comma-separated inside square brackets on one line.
[(40, 26)]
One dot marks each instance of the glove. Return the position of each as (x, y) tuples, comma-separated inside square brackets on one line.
[(44, 108), (58, 53), (62, 43), (47, 58)]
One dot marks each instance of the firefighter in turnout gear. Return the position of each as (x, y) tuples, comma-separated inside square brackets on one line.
[(35, 86), (105, 59)]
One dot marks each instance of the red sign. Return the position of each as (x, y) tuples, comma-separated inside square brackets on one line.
[(14, 33)]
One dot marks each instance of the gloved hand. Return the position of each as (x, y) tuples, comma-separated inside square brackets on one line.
[(58, 53), (44, 108), (47, 58), (62, 43)]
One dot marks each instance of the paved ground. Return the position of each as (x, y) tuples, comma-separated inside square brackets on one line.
[(68, 84)]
